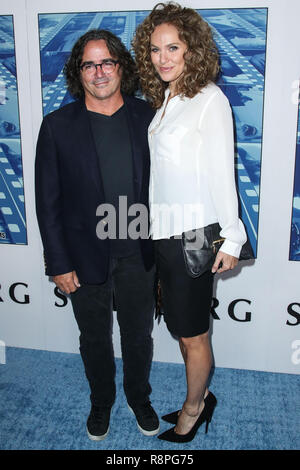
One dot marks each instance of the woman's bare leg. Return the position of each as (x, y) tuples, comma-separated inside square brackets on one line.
[(196, 352)]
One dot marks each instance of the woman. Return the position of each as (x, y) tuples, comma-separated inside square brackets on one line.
[(191, 185)]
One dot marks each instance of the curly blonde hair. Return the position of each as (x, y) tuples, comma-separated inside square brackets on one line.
[(201, 57)]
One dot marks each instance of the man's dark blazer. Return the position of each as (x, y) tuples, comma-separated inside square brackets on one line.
[(69, 189)]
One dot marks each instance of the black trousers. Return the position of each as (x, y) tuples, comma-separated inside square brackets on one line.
[(133, 288)]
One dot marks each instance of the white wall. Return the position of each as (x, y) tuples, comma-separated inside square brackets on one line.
[(269, 285)]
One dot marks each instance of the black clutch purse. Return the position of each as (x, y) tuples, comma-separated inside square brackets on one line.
[(201, 245)]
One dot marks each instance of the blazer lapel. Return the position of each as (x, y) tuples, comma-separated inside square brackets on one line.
[(134, 125), (86, 147)]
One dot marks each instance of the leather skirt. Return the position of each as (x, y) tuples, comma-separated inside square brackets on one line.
[(186, 301)]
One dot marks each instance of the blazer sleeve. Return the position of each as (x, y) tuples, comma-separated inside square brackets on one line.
[(49, 204)]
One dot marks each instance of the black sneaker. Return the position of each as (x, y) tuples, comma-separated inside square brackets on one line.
[(146, 418), (98, 423)]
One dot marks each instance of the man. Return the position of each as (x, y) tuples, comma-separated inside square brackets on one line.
[(90, 153)]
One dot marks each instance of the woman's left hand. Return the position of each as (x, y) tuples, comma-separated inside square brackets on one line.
[(227, 262)]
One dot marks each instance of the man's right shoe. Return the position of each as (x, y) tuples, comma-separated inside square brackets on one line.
[(98, 423), (146, 419)]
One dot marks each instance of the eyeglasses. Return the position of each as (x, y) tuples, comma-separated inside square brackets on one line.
[(107, 66)]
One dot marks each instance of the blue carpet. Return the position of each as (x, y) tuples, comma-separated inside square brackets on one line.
[(44, 404)]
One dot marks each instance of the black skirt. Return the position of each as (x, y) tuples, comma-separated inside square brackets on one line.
[(186, 301)]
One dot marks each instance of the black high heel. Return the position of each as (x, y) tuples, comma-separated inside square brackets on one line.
[(173, 417), (205, 416)]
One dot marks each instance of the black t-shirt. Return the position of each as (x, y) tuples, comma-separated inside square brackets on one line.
[(114, 151)]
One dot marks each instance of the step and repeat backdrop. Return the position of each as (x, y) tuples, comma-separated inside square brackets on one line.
[(256, 309)]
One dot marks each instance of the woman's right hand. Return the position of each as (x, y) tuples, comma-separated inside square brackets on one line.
[(224, 262)]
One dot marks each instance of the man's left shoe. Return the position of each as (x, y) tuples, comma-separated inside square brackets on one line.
[(146, 418)]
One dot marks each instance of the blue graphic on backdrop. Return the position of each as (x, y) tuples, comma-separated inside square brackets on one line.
[(12, 213), (295, 229), (240, 35)]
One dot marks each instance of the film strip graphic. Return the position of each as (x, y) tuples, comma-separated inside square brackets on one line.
[(250, 76), (12, 222), (295, 225), (7, 78), (249, 198), (12, 207)]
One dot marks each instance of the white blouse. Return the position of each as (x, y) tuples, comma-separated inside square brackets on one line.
[(192, 181)]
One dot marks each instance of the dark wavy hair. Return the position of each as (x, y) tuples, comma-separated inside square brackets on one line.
[(129, 82), (201, 57)]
